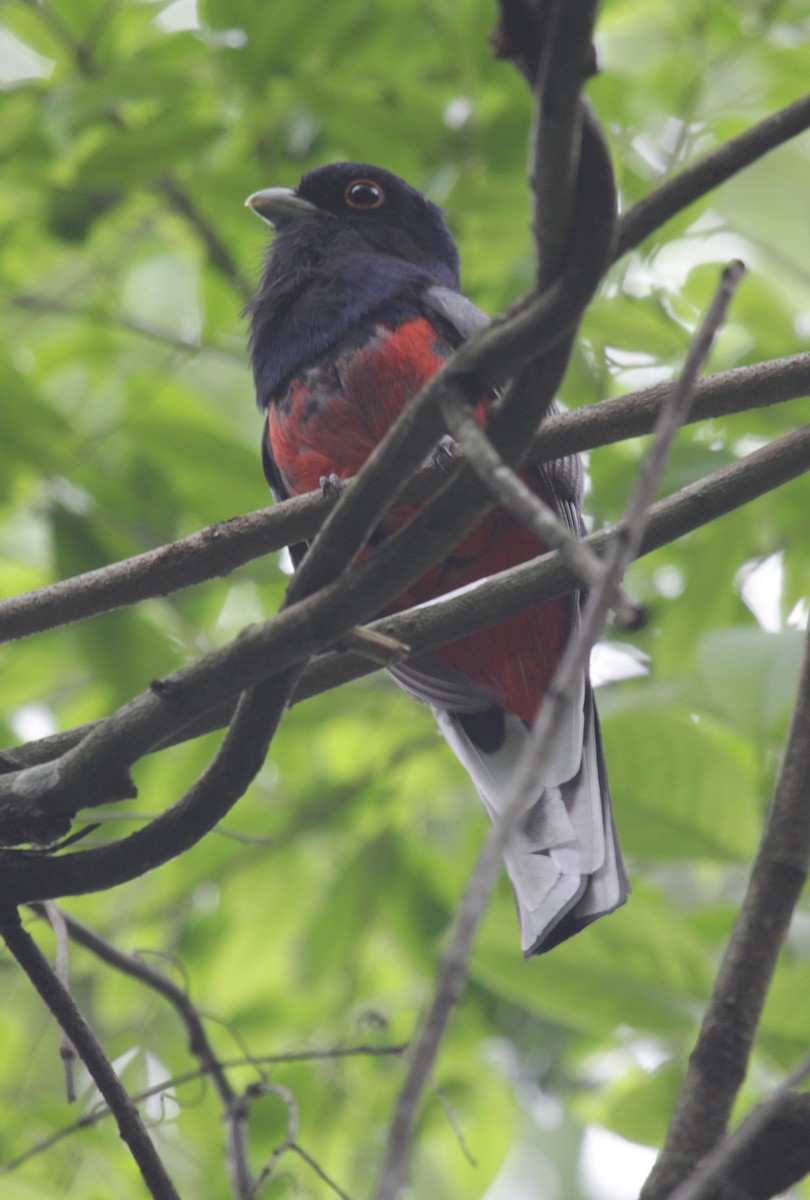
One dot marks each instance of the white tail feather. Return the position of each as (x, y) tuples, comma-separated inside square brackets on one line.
[(564, 862)]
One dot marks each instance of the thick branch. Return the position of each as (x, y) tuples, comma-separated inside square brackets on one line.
[(718, 1063), (494, 600), (227, 777), (220, 549), (772, 1159), (559, 114)]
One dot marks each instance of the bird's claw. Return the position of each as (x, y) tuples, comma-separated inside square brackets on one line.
[(444, 454), (331, 486)]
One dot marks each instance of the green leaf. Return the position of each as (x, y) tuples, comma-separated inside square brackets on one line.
[(641, 963), (683, 786), (750, 676), (640, 1104), (142, 154)]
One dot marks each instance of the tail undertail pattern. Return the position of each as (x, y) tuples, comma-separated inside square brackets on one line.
[(564, 861)]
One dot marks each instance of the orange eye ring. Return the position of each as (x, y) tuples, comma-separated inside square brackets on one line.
[(364, 194)]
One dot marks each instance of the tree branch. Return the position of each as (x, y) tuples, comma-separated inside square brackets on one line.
[(718, 1063), (64, 1010), (493, 600), (507, 486), (220, 549), (101, 1111), (198, 1041), (239, 759), (566, 63), (765, 1156), (709, 172)]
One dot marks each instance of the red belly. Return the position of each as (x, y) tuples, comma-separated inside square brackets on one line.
[(330, 420)]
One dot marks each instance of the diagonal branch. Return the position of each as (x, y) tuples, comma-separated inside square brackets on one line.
[(710, 171), (517, 496), (220, 549), (493, 600), (62, 1006), (767, 1154), (217, 253), (198, 1041), (718, 1063)]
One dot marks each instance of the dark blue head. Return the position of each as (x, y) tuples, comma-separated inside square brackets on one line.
[(353, 244)]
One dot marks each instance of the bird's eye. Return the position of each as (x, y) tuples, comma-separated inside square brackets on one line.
[(364, 193)]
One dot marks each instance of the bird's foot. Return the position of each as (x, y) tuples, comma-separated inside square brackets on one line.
[(444, 454), (331, 486)]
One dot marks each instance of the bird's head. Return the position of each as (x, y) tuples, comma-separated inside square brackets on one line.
[(350, 207), (353, 245)]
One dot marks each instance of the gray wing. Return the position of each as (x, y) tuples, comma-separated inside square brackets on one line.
[(456, 310), (562, 476)]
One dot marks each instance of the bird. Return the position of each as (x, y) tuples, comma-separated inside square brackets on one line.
[(358, 306)]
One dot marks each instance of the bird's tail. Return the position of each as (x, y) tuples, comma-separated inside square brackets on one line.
[(564, 861)]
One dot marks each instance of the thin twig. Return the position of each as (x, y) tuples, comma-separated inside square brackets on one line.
[(376, 647), (62, 1006), (630, 530), (453, 969), (198, 1041), (453, 1121), (33, 302), (286, 1096), (67, 1051), (518, 497), (216, 251), (101, 1111), (319, 1171)]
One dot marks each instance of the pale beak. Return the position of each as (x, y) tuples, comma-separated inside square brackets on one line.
[(279, 206)]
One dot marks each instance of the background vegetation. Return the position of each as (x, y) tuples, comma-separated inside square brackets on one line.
[(130, 135)]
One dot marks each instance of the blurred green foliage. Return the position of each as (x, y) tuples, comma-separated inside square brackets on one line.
[(130, 134)]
